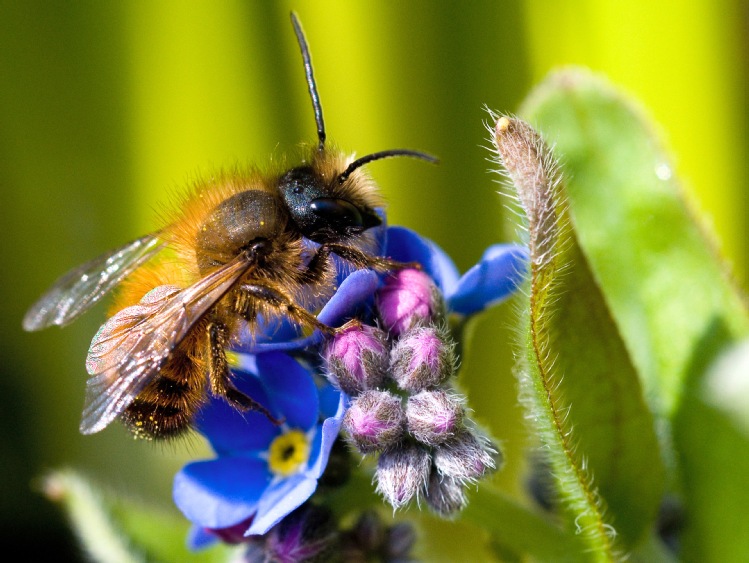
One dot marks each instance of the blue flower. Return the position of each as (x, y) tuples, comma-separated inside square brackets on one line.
[(262, 472)]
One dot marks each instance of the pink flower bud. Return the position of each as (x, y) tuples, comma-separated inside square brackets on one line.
[(356, 358), (369, 531), (423, 357), (408, 297), (375, 421), (433, 417), (466, 457), (402, 472), (371, 540), (400, 539), (445, 495)]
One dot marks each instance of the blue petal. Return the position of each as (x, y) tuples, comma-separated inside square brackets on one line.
[(290, 388), (279, 500), (406, 245), (324, 439), (230, 430), (493, 279), (353, 292), (330, 398), (281, 345), (200, 538), (276, 329), (221, 492)]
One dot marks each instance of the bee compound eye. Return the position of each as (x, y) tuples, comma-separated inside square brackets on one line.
[(337, 212)]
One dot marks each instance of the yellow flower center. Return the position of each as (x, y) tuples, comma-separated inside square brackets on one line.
[(288, 452)]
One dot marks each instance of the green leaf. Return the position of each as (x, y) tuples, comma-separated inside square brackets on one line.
[(579, 386), (117, 530), (516, 530), (669, 291), (726, 385), (712, 438), (667, 288), (662, 278), (612, 428)]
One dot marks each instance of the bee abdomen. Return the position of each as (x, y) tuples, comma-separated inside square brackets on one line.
[(167, 406)]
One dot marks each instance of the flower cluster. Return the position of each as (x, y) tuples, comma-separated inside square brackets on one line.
[(403, 406), (390, 365)]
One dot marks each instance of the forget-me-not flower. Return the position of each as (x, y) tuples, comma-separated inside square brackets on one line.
[(262, 471)]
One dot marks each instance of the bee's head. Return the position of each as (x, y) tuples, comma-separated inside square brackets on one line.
[(330, 200), (328, 206), (316, 210)]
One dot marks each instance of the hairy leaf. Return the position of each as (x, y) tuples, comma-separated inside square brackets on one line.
[(578, 383)]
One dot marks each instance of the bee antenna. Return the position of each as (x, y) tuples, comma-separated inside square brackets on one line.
[(359, 162), (311, 84)]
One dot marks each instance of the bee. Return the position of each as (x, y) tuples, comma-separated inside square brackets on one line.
[(242, 247)]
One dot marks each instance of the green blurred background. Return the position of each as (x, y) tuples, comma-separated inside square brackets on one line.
[(107, 108)]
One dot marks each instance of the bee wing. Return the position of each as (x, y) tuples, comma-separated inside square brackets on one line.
[(77, 291), (130, 349)]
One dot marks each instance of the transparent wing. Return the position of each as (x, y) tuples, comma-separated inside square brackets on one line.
[(77, 291), (132, 346)]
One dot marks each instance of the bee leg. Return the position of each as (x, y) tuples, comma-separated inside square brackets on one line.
[(318, 269), (219, 374), (244, 403), (363, 260), (280, 301)]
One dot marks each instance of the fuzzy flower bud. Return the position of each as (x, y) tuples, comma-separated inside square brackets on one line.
[(307, 534), (423, 357), (408, 298), (371, 540), (402, 472), (369, 531), (356, 358), (375, 421), (400, 540), (433, 417), (466, 457), (445, 495)]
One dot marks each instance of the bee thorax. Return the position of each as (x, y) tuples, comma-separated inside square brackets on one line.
[(232, 227)]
